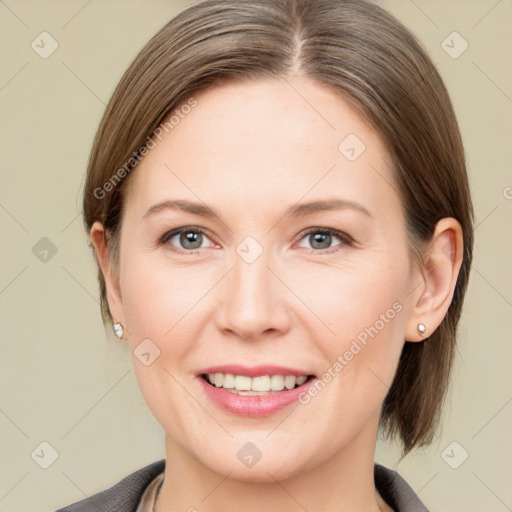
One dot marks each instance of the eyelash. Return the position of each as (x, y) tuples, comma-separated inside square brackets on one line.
[(346, 239)]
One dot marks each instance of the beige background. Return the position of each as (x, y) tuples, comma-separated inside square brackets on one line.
[(66, 382)]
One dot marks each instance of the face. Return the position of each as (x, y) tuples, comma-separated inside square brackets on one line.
[(265, 280)]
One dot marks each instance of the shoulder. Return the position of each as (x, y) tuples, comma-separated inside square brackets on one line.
[(124, 496), (396, 491)]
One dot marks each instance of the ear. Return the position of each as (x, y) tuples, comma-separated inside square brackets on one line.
[(437, 278), (113, 291)]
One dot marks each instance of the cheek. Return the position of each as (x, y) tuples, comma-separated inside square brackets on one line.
[(159, 306), (346, 301), (359, 326), (367, 315), (159, 299)]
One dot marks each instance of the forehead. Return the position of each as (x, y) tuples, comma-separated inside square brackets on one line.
[(247, 142)]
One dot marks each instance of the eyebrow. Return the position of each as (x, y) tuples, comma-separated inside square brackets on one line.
[(297, 210)]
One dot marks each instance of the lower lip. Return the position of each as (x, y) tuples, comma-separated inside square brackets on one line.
[(253, 405)]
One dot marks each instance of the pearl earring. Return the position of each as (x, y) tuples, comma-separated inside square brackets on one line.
[(422, 328), (118, 330)]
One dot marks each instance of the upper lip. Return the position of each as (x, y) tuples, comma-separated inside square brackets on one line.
[(254, 371)]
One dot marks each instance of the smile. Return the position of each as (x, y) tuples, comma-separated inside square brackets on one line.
[(251, 400), (259, 385)]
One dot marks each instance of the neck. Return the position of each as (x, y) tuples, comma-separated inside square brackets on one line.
[(344, 482)]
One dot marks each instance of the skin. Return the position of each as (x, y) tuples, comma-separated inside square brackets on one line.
[(250, 150)]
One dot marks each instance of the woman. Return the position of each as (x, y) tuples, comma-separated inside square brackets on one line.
[(278, 204)]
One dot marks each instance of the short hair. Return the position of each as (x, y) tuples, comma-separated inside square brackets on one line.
[(367, 56)]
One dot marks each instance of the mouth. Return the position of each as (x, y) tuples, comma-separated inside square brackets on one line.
[(254, 391), (257, 385)]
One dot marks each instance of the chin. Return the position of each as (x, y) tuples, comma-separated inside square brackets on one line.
[(265, 470)]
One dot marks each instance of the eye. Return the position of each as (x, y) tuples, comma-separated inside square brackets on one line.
[(189, 239), (320, 239)]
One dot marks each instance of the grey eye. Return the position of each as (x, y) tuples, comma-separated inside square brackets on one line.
[(188, 239)]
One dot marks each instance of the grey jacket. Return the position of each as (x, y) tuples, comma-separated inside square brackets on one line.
[(125, 495)]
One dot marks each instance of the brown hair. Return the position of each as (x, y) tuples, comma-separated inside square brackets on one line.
[(373, 61)]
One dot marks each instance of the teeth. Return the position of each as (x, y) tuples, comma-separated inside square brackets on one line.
[(259, 384), (301, 380)]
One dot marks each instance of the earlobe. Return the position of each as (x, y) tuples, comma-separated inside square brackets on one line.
[(441, 266), (422, 329), (103, 258)]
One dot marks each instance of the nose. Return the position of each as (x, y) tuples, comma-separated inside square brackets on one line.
[(254, 301)]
